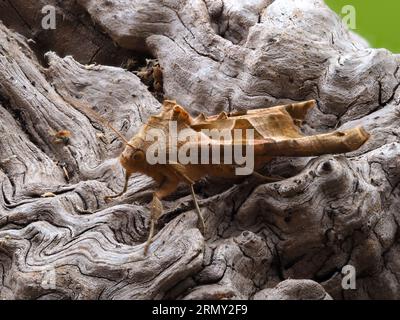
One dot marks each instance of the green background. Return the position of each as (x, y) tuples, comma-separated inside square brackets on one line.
[(378, 21)]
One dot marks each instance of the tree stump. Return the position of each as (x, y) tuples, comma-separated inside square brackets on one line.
[(60, 240)]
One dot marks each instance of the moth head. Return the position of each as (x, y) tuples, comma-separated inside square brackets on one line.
[(133, 158)]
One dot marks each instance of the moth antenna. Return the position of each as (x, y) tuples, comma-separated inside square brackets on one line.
[(119, 134), (200, 219), (85, 108)]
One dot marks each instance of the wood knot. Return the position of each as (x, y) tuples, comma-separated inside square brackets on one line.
[(326, 167)]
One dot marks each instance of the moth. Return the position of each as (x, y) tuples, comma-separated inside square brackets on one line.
[(62, 136), (275, 132)]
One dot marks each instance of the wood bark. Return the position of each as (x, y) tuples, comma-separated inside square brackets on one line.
[(220, 55)]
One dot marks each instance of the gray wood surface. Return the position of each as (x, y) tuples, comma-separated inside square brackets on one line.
[(217, 55)]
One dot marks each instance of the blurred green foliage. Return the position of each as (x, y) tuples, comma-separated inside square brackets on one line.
[(376, 21)]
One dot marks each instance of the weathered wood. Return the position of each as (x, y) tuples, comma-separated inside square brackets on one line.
[(75, 33), (294, 290), (216, 55)]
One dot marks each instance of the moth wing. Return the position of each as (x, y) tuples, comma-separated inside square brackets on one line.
[(279, 122), (305, 146), (297, 111), (277, 125)]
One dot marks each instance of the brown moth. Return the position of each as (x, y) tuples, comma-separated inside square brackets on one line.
[(276, 132)]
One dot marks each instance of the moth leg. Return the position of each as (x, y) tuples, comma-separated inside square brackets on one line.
[(156, 211), (180, 171), (200, 219), (127, 175), (166, 188), (266, 179)]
